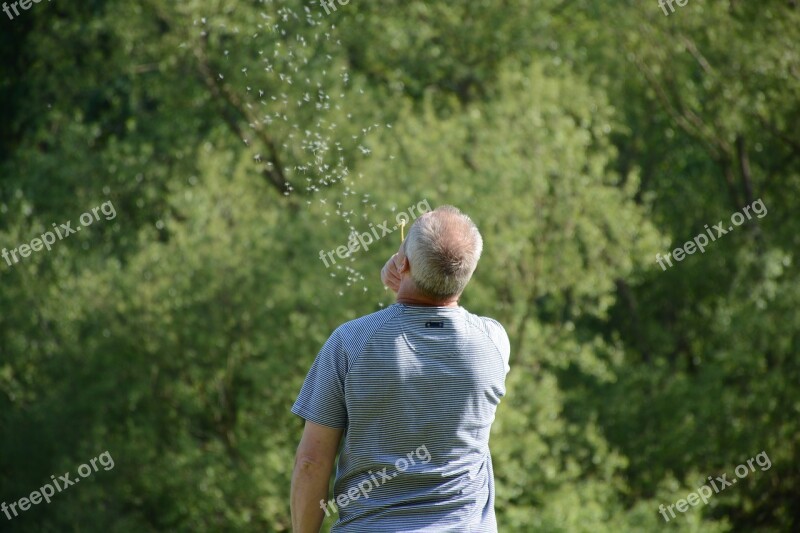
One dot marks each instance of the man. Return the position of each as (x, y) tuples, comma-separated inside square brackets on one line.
[(422, 374)]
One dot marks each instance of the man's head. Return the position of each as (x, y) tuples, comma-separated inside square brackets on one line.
[(442, 248)]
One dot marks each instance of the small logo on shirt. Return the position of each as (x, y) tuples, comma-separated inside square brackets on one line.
[(439, 324)]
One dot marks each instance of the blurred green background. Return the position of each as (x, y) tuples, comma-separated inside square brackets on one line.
[(237, 139)]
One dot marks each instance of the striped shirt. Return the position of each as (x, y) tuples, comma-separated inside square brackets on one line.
[(415, 388)]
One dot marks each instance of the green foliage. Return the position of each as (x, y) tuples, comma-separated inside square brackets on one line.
[(237, 140)]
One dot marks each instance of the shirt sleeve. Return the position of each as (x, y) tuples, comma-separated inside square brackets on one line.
[(500, 338), (321, 399), (506, 350)]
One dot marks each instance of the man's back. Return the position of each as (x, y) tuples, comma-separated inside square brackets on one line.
[(416, 388)]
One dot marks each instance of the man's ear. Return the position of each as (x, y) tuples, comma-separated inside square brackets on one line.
[(405, 266)]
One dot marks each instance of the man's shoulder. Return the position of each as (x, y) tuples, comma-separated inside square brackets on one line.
[(367, 324), (486, 324), (363, 327), (495, 332)]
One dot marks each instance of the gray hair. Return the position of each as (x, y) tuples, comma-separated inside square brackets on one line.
[(443, 247)]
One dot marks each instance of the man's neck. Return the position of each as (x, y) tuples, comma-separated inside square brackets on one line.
[(409, 296)]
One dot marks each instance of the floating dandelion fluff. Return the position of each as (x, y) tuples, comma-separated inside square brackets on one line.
[(299, 109)]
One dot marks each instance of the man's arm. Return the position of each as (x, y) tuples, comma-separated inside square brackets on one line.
[(312, 472), (392, 271)]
